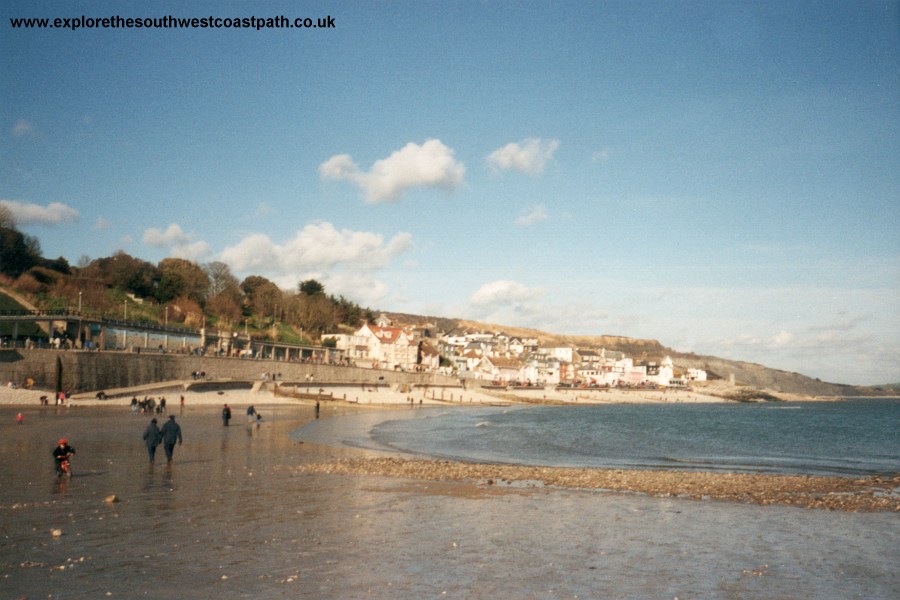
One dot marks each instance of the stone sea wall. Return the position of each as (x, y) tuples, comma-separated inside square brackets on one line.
[(78, 371)]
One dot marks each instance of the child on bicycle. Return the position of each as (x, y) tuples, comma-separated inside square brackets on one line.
[(61, 453)]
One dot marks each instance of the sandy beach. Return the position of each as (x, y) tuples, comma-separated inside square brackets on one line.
[(245, 511), (833, 493), (371, 395)]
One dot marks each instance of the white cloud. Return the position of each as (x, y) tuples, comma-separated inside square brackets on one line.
[(430, 165), (503, 291), (173, 235), (530, 156), (177, 243), (101, 224), (22, 128), (534, 214), (344, 260), (54, 213), (256, 253)]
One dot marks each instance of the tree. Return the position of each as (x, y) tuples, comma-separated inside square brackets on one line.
[(187, 311), (181, 278), (314, 313), (60, 265), (224, 308), (7, 220), (224, 295), (221, 281), (311, 287), (126, 273), (18, 252), (348, 312), (261, 295)]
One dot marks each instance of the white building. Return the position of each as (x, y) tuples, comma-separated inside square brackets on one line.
[(355, 347), (389, 347), (494, 368), (695, 375), (564, 353)]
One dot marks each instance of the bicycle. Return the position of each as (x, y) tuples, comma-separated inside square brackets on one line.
[(64, 469)]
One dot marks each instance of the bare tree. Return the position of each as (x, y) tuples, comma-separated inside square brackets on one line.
[(221, 281), (7, 219)]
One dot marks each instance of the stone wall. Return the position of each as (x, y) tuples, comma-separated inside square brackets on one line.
[(78, 371)]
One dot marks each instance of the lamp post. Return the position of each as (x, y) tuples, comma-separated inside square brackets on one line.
[(80, 341), (167, 328)]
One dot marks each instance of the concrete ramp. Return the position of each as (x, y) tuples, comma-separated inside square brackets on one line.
[(138, 390)]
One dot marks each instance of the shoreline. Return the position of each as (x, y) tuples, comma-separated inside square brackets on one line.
[(849, 494), (868, 494), (362, 395)]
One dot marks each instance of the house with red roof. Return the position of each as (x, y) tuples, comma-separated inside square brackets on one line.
[(389, 347)]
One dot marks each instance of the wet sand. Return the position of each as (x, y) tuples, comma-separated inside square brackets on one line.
[(832, 493), (245, 512)]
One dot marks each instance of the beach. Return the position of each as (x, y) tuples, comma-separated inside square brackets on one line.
[(362, 394), (246, 511)]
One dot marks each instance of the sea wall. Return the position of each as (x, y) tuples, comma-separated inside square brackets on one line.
[(79, 371)]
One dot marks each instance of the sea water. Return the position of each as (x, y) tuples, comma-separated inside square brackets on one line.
[(849, 438)]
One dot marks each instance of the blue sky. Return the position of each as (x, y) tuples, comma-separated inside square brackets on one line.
[(723, 177)]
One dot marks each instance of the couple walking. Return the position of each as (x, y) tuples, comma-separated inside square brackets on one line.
[(167, 436)]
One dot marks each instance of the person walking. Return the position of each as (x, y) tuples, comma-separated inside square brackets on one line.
[(251, 414), (171, 433), (152, 438), (226, 415)]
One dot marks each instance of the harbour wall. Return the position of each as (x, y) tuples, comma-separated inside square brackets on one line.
[(81, 371)]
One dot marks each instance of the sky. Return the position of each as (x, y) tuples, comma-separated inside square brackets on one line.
[(723, 177)]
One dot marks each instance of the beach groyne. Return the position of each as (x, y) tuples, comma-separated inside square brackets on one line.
[(81, 371)]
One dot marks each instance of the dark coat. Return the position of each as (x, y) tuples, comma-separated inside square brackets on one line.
[(60, 453), (152, 435), (171, 432)]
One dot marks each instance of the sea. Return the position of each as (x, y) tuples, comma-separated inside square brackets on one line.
[(847, 438)]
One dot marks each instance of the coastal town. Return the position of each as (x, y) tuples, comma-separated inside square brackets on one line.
[(495, 358)]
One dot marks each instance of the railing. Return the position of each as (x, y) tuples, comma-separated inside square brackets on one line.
[(57, 312), (69, 315)]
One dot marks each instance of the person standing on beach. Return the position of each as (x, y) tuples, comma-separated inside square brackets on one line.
[(152, 438), (251, 414), (226, 415), (171, 433)]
